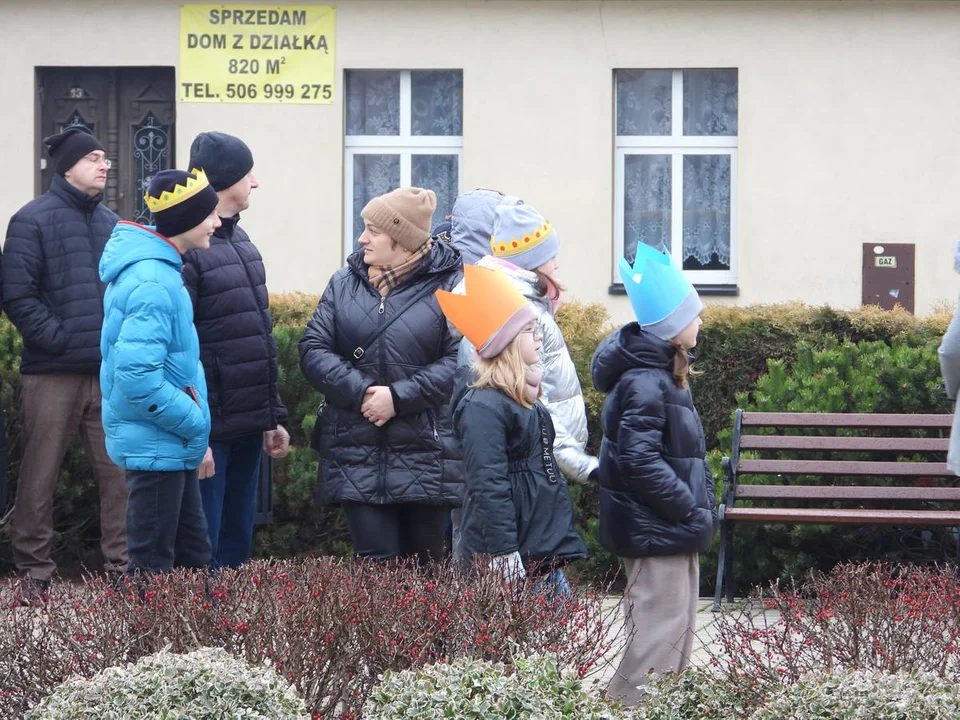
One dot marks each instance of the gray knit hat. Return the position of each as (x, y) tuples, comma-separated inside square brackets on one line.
[(523, 237)]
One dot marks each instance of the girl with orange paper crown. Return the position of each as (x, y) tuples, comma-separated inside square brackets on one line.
[(524, 245), (517, 507), (656, 489)]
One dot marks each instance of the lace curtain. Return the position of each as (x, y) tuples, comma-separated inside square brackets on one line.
[(373, 102), (644, 99), (710, 102), (378, 174), (644, 108), (646, 214), (440, 173), (706, 212), (436, 103), (373, 109)]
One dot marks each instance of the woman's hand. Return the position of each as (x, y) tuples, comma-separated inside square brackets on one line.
[(377, 406)]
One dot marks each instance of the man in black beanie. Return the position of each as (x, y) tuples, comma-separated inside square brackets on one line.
[(68, 147), (53, 295), (238, 350)]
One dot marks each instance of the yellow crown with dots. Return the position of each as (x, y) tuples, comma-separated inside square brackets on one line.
[(169, 198), (507, 247)]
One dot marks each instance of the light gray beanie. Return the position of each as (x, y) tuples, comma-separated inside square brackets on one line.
[(523, 237)]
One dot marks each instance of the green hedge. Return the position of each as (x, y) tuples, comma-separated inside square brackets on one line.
[(734, 349)]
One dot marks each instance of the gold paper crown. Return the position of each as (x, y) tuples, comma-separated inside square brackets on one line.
[(490, 300), (515, 246), (169, 198)]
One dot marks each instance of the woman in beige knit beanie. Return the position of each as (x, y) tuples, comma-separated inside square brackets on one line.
[(387, 451), (404, 214)]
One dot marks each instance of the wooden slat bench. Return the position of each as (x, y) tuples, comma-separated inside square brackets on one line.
[(789, 503)]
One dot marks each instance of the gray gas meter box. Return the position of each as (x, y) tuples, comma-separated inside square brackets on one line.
[(888, 270)]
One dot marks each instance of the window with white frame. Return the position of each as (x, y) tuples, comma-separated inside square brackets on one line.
[(676, 169), (403, 128)]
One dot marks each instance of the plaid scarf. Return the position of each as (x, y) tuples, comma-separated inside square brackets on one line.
[(385, 278)]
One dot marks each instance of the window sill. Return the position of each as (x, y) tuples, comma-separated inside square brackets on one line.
[(717, 290)]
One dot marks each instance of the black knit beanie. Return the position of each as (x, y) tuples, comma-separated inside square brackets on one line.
[(67, 147), (180, 201), (224, 158)]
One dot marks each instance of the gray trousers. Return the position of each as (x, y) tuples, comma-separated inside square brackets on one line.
[(660, 616), (54, 407)]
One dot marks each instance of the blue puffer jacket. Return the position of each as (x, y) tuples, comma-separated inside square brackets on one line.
[(656, 489), (155, 412)]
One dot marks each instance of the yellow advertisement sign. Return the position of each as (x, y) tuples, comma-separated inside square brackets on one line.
[(257, 54)]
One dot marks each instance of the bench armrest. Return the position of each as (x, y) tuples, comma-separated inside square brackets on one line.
[(729, 482)]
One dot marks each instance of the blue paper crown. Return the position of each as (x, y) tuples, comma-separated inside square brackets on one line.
[(656, 287)]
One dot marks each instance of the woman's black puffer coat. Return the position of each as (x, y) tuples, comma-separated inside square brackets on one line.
[(656, 489), (413, 458), (516, 498)]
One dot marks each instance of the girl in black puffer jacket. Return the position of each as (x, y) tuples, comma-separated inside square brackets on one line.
[(517, 507), (656, 489)]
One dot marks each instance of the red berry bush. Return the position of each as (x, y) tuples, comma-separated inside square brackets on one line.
[(879, 618), (328, 626)]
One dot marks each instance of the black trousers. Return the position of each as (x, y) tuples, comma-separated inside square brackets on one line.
[(403, 530), (166, 526)]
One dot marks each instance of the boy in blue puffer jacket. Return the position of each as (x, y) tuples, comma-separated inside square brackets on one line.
[(155, 413)]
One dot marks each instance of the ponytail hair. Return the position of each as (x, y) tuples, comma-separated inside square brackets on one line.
[(547, 286), (681, 366)]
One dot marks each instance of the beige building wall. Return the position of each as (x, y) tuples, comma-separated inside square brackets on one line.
[(848, 123)]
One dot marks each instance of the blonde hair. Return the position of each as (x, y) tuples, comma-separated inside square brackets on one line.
[(681, 365), (506, 372)]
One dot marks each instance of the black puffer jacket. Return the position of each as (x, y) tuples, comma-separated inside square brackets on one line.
[(228, 286), (516, 497), (656, 489), (413, 457), (51, 281)]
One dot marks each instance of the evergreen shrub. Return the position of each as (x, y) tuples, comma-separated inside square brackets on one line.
[(864, 695), (534, 688), (207, 684), (826, 695), (692, 693)]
